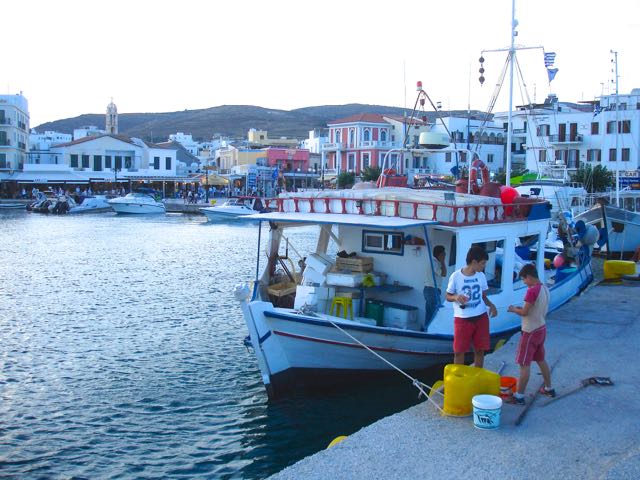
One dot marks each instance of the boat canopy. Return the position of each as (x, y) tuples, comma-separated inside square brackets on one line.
[(340, 219)]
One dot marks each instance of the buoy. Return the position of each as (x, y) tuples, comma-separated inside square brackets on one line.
[(336, 441)]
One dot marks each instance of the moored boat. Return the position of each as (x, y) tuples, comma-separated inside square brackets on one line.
[(299, 334), (137, 203), (233, 209)]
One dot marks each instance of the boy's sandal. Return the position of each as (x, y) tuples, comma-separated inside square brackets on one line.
[(547, 393), (514, 400)]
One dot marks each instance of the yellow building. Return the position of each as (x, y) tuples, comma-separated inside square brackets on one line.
[(232, 157), (260, 138)]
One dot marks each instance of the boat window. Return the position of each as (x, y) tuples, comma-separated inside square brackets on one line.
[(382, 242), (617, 227), (453, 250)]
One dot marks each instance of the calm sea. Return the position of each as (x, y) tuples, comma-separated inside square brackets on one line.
[(121, 355)]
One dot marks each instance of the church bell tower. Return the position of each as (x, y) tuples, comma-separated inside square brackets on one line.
[(112, 119)]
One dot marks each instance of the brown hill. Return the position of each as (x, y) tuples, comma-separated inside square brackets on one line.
[(228, 120)]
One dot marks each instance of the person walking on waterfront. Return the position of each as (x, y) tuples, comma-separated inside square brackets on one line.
[(467, 289), (534, 331)]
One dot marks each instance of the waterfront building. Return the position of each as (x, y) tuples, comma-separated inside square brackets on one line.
[(231, 156), (14, 132), (563, 136), (111, 123)]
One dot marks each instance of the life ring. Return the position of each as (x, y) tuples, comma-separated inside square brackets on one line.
[(476, 165)]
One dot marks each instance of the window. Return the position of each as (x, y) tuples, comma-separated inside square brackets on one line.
[(85, 161), (366, 160), (447, 157), (595, 128), (463, 156), (542, 156), (127, 163), (612, 155), (352, 136), (107, 161), (351, 162), (366, 136), (490, 158), (543, 130), (97, 163), (626, 154), (383, 136), (118, 165), (611, 127), (382, 242), (624, 126), (167, 163), (156, 163), (3, 160), (336, 136), (74, 160), (594, 155)]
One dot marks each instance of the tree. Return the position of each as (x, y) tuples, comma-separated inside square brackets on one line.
[(346, 179), (596, 179), (371, 174)]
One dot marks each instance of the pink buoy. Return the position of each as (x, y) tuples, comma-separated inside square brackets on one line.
[(558, 261)]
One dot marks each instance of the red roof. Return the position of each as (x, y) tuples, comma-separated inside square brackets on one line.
[(360, 118), (122, 138)]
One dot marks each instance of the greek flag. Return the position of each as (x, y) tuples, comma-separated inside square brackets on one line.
[(551, 73), (549, 58), (596, 110)]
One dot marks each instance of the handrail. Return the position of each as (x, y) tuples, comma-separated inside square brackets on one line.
[(446, 214)]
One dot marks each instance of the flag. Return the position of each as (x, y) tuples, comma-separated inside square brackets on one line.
[(549, 58), (596, 110), (551, 72)]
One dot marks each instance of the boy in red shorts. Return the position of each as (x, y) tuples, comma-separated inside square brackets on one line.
[(467, 289), (534, 332)]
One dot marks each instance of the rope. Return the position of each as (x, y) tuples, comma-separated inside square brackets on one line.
[(414, 381)]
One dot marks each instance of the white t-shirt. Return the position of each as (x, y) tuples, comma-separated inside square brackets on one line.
[(472, 287)]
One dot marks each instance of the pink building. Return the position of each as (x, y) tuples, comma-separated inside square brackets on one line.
[(288, 159)]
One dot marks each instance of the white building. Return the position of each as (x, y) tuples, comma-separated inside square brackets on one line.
[(87, 131), (186, 140), (41, 143), (14, 131), (561, 135)]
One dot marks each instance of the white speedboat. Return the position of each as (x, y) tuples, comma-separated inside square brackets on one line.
[(562, 195), (298, 333), (137, 203), (96, 204), (233, 209)]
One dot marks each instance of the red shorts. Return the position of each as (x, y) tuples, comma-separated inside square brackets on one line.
[(531, 346), (465, 331)]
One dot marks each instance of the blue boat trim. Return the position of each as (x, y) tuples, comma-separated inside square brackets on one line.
[(262, 339), (293, 317)]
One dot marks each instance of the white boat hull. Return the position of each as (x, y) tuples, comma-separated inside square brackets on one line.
[(221, 213), (137, 208), (289, 344)]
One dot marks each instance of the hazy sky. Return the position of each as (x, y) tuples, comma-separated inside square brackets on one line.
[(70, 57)]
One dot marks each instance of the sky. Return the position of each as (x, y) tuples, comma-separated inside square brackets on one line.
[(71, 57)]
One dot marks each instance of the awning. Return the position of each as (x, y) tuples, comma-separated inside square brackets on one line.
[(377, 221), (47, 177), (213, 180)]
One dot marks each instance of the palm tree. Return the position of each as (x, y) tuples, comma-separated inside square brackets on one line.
[(596, 179)]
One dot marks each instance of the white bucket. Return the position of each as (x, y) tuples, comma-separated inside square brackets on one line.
[(486, 411)]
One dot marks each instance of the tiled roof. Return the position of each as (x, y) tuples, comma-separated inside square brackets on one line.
[(122, 138), (361, 117)]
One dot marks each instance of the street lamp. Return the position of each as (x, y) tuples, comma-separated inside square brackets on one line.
[(115, 175)]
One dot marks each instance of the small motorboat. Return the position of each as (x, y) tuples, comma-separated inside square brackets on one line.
[(96, 204), (137, 203), (233, 209), (12, 206)]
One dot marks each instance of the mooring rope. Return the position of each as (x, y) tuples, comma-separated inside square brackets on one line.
[(415, 382)]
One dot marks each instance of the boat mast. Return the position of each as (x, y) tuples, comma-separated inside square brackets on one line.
[(617, 127), (512, 58)]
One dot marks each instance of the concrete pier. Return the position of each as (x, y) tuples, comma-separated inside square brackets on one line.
[(593, 433)]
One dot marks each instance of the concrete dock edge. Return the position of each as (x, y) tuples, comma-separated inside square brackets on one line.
[(594, 433)]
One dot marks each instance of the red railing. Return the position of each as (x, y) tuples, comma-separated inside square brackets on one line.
[(446, 214)]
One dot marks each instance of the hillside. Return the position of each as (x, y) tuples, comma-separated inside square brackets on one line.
[(228, 120)]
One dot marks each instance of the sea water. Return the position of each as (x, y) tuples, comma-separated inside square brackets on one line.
[(121, 355)]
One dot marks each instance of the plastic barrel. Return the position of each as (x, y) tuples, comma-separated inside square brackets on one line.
[(486, 412), (374, 310)]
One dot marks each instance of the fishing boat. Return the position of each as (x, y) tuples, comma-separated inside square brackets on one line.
[(619, 225), (233, 209), (299, 334), (137, 203)]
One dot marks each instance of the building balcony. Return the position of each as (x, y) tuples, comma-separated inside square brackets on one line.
[(565, 139), (5, 121), (332, 147), (377, 144), (5, 143)]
